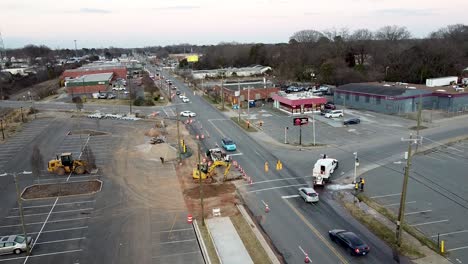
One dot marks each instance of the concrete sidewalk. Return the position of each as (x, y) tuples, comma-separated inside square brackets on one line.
[(227, 242)]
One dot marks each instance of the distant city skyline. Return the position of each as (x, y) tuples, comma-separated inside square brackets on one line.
[(140, 23)]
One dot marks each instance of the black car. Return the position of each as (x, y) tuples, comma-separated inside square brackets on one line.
[(352, 121), (177, 93), (329, 106), (350, 241), (324, 111)]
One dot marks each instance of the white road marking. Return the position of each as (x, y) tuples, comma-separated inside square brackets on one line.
[(279, 187), (172, 255), (235, 154), (54, 221), (394, 204), (458, 248), (42, 228), (48, 205), (46, 254), (52, 231), (58, 212), (386, 195), (62, 240), (283, 179), (174, 230), (177, 241), (428, 223), (290, 196), (418, 212), (450, 233)]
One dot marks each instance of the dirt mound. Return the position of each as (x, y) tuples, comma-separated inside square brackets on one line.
[(153, 132), (88, 132), (212, 190), (164, 150), (61, 189)]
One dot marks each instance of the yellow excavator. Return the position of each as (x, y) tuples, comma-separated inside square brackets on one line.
[(207, 172), (66, 164)]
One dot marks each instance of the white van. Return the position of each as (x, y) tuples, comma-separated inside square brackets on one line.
[(334, 114), (323, 169)]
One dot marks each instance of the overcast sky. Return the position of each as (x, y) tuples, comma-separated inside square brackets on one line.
[(139, 23)]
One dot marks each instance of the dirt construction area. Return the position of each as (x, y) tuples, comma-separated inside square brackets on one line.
[(61, 189)]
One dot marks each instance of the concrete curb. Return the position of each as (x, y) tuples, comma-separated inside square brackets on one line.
[(216, 249), (442, 143), (204, 251), (261, 239), (42, 198)]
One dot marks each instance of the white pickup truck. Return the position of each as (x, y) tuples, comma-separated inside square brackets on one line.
[(323, 169)]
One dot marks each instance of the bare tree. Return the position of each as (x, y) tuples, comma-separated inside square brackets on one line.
[(392, 33), (308, 35), (88, 156), (78, 103), (360, 42), (37, 161)]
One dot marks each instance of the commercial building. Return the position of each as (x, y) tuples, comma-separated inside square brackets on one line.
[(243, 92), (298, 103), (117, 69), (89, 84), (256, 70), (399, 98)]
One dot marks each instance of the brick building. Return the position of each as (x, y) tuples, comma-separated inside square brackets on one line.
[(118, 70), (298, 103), (89, 84), (247, 94)]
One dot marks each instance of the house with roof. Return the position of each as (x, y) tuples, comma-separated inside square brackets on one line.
[(399, 98)]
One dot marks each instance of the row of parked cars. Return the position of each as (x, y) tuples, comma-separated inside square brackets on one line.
[(113, 116)]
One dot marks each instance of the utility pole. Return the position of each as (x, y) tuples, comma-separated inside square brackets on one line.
[(401, 211), (356, 163), (20, 207), (300, 135), (178, 135), (248, 103), (313, 125), (76, 51), (238, 103), (222, 90), (419, 119), (130, 95), (201, 185)]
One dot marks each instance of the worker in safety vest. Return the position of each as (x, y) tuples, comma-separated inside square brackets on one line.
[(362, 182)]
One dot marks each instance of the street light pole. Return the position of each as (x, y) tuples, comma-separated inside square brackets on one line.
[(20, 207), (200, 185), (238, 103), (313, 124), (355, 166)]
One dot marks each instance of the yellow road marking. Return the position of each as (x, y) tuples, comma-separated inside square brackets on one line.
[(317, 233)]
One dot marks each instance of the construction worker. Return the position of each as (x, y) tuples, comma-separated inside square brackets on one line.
[(356, 186), (362, 182)]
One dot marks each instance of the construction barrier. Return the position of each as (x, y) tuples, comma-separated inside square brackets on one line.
[(189, 219)]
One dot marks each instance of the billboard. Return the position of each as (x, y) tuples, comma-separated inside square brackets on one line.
[(192, 58)]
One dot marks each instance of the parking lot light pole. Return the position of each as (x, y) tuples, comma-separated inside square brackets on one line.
[(313, 125), (20, 207)]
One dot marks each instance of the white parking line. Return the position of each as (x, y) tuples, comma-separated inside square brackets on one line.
[(235, 154), (450, 233), (172, 255), (41, 255), (394, 204), (279, 187), (53, 231), (62, 240), (386, 195), (428, 223), (458, 248), (418, 212), (290, 196), (54, 221), (177, 241), (58, 212), (174, 230), (48, 205)]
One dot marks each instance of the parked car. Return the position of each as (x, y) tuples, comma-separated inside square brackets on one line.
[(334, 114), (111, 96), (330, 106), (188, 114), (352, 121), (185, 100), (181, 96), (14, 244), (325, 111), (96, 115), (177, 93), (309, 195), (228, 144), (102, 96), (118, 88), (350, 241)]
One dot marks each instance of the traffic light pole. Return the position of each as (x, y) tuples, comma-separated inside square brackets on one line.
[(300, 135)]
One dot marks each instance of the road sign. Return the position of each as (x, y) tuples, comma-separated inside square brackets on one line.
[(300, 121)]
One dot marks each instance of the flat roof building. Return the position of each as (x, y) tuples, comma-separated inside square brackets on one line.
[(89, 84), (298, 103)]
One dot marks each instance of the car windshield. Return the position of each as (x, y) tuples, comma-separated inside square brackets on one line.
[(228, 142), (19, 239), (312, 194)]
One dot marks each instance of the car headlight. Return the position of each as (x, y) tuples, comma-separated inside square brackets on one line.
[(319, 177)]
